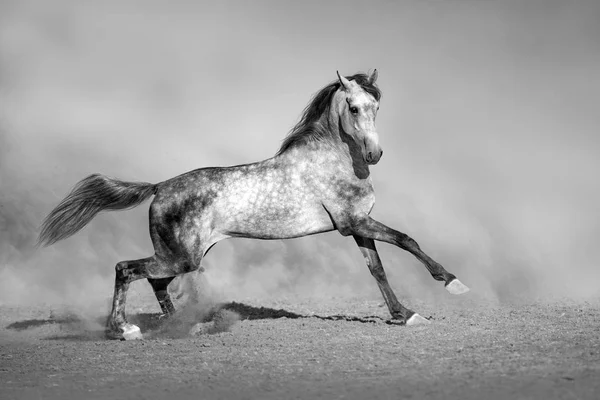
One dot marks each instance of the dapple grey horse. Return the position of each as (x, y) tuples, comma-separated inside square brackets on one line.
[(319, 181)]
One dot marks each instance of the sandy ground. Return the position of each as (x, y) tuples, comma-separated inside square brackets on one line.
[(325, 348)]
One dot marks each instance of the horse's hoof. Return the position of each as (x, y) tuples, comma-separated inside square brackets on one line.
[(125, 332), (456, 287), (416, 319), (132, 332)]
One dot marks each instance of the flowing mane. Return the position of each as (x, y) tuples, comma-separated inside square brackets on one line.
[(309, 128)]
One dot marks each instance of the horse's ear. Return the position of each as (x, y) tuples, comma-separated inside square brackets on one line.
[(373, 76), (345, 82)]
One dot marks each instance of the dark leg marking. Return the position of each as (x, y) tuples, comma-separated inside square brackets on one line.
[(369, 252), (397, 310), (162, 295), (117, 326)]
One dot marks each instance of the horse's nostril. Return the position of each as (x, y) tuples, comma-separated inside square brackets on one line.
[(381, 154)]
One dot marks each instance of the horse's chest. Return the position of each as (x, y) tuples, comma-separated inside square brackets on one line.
[(358, 195)]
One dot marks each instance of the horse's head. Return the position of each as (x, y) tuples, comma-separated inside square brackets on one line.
[(357, 110)]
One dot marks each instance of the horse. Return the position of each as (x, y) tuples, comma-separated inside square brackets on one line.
[(319, 181)]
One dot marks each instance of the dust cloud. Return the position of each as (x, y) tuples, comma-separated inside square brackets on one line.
[(488, 122)]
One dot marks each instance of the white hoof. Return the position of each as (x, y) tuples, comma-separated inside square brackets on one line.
[(131, 332), (456, 287), (416, 319)]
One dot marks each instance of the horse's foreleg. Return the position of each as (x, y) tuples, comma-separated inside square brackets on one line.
[(117, 326), (367, 227), (397, 310), (162, 295)]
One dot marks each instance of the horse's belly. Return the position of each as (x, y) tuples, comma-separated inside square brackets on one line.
[(278, 222)]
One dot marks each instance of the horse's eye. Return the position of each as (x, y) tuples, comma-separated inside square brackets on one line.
[(354, 110)]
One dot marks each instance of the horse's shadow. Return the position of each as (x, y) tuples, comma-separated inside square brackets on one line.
[(156, 325)]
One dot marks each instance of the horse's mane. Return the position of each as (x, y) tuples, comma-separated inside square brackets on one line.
[(309, 128)]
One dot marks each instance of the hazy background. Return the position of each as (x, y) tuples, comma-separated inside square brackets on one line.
[(489, 121)]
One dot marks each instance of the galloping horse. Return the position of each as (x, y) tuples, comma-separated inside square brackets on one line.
[(318, 181)]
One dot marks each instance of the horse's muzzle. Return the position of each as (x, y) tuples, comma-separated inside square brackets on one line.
[(373, 157)]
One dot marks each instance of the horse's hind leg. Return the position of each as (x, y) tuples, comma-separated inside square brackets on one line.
[(117, 326), (162, 295)]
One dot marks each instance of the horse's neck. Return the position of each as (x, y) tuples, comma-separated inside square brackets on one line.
[(346, 149), (339, 155)]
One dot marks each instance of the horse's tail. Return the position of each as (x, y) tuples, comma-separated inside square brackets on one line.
[(90, 196)]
